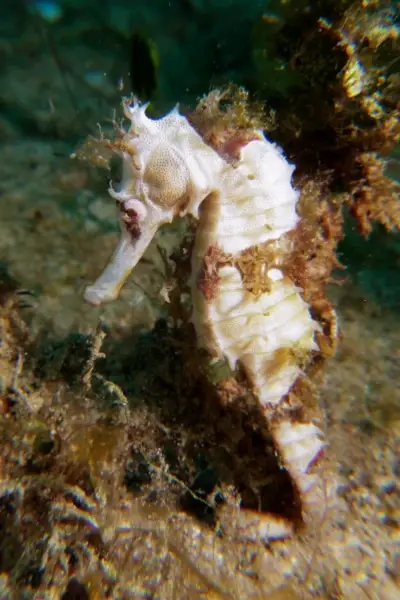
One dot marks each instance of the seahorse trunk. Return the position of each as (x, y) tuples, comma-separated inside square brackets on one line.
[(270, 332)]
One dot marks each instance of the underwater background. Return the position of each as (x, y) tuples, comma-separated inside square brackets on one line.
[(114, 483)]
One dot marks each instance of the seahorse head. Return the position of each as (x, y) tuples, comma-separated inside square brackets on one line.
[(154, 167), (167, 170)]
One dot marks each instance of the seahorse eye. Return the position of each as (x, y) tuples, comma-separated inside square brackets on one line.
[(166, 177)]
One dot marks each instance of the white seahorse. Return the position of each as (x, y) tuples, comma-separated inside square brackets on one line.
[(169, 171)]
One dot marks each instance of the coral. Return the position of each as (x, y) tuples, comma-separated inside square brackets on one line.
[(375, 195), (329, 71)]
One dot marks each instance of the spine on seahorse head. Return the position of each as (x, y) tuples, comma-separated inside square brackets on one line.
[(242, 205)]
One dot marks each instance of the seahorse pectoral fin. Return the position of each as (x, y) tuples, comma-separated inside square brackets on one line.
[(126, 256)]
